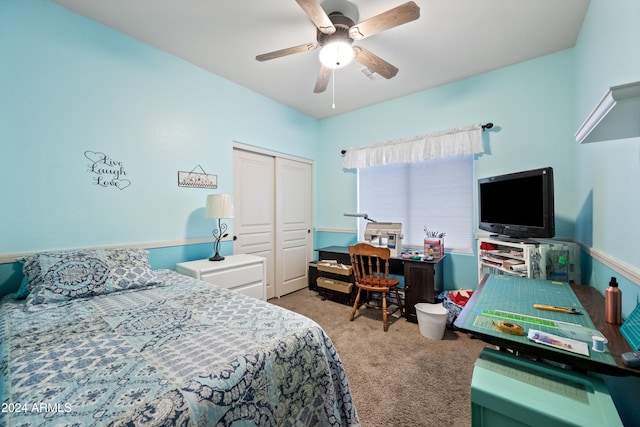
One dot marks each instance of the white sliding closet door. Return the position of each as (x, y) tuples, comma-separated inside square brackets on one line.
[(294, 241), (273, 204), (254, 205)]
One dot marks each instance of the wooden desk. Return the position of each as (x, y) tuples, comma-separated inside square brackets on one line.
[(593, 304), (422, 279)]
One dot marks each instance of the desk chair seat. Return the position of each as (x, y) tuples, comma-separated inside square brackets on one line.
[(371, 271)]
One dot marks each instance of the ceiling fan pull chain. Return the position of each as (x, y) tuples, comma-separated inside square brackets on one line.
[(333, 87)]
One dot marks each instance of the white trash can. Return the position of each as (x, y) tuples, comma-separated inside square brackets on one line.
[(432, 319)]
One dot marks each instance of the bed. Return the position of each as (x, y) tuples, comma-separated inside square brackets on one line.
[(97, 338)]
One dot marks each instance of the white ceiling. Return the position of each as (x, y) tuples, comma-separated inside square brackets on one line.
[(452, 40)]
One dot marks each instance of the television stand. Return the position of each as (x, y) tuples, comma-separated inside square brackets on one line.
[(506, 255), (510, 239), (548, 259)]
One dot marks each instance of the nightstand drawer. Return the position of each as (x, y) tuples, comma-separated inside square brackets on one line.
[(242, 273), (233, 277), (255, 290)]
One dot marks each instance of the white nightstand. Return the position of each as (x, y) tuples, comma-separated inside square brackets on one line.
[(242, 273)]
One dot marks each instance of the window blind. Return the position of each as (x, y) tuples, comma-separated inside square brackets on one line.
[(436, 194), (423, 181)]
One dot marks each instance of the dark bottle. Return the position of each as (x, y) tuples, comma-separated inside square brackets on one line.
[(613, 303)]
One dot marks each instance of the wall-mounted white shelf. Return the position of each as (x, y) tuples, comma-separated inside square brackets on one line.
[(616, 116)]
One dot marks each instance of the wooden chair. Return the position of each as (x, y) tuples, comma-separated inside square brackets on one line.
[(371, 271)]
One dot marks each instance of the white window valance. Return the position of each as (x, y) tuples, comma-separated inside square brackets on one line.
[(448, 143)]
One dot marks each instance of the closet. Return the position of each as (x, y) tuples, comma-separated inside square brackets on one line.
[(273, 196)]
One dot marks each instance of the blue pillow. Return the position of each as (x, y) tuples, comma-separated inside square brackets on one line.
[(32, 275), (66, 275)]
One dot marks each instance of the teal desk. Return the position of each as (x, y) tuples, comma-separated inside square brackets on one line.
[(510, 299), (509, 391)]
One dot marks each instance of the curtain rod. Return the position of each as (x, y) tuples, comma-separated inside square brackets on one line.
[(485, 126)]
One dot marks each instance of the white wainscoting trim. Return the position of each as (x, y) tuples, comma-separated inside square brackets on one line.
[(630, 272), (9, 258), (337, 230)]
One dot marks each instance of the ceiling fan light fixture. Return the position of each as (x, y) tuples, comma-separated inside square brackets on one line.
[(336, 54)]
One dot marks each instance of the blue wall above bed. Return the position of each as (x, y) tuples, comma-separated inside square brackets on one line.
[(72, 88)]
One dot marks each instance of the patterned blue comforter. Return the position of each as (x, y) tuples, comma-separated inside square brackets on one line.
[(181, 353)]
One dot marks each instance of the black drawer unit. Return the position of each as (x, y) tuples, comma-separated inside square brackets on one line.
[(313, 276), (422, 279), (335, 287)]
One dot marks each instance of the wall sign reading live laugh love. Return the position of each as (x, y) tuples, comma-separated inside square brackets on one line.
[(106, 172)]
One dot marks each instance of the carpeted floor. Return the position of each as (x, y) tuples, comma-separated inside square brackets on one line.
[(399, 377)]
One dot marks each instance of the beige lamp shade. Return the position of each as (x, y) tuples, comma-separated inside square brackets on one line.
[(219, 206)]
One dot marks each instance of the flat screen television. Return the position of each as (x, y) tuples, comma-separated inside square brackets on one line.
[(518, 205)]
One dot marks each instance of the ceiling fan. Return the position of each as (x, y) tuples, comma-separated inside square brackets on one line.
[(335, 34)]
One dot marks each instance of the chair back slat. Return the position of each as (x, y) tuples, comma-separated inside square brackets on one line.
[(370, 264)]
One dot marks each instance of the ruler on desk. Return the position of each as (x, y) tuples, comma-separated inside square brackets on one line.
[(515, 317)]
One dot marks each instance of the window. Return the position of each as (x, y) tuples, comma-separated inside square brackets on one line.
[(436, 194)]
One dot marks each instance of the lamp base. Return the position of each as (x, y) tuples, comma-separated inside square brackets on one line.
[(216, 257)]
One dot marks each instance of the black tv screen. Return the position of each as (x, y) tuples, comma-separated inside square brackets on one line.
[(518, 205)]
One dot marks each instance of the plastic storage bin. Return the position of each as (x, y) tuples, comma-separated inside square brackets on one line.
[(434, 246)]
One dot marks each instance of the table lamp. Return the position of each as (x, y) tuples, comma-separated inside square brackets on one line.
[(219, 206)]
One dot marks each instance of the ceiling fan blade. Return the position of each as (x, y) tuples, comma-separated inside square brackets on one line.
[(288, 51), (317, 15), (402, 14), (374, 62), (323, 79)]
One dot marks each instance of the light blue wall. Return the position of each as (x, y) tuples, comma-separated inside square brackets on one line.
[(537, 106), (531, 107), (607, 174), (69, 85)]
